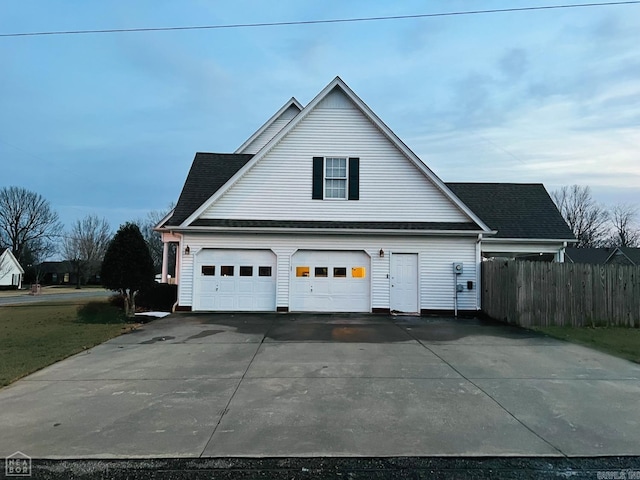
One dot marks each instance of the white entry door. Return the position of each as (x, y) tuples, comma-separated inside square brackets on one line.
[(330, 281), (404, 283), (235, 280)]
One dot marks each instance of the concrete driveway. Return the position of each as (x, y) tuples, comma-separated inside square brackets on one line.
[(222, 385)]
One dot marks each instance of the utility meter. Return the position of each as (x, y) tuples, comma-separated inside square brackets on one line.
[(457, 268)]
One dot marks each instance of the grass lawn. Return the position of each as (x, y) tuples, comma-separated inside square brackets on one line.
[(619, 341), (35, 335)]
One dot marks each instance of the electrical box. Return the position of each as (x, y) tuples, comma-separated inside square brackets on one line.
[(457, 268), (459, 288)]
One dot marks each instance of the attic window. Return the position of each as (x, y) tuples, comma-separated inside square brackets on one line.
[(336, 178)]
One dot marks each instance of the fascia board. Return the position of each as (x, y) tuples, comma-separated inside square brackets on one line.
[(331, 231), (527, 240), (158, 226), (267, 124)]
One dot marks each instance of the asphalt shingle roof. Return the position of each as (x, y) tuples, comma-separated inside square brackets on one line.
[(515, 210), (594, 256), (208, 173)]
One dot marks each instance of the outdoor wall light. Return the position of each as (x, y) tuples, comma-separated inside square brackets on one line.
[(187, 250), (381, 253)]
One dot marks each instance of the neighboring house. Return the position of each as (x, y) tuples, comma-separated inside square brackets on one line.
[(11, 273), (55, 273), (325, 209), (604, 256), (592, 256)]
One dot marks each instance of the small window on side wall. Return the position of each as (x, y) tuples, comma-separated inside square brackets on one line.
[(208, 270)]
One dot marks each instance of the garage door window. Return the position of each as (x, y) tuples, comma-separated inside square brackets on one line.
[(226, 270), (302, 271), (358, 272), (339, 272), (264, 271), (321, 272), (246, 271), (208, 270)]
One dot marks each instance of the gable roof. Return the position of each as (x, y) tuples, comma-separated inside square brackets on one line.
[(337, 83), (633, 254), (515, 210), (208, 173), (7, 253), (291, 103)]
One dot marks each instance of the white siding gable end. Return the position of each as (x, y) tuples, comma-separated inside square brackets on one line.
[(394, 184)]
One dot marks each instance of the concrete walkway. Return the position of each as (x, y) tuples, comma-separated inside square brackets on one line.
[(325, 385)]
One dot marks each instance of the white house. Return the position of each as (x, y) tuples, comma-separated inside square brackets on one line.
[(11, 273), (325, 209)]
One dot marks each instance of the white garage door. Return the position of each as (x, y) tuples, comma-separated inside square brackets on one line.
[(235, 280), (330, 281)]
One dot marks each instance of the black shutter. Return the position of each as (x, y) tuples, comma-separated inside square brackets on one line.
[(318, 163), (354, 179)]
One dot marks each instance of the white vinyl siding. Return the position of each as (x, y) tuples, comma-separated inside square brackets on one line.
[(279, 186), (271, 131), (435, 256)]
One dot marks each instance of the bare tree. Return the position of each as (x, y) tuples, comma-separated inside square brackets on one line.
[(153, 239), (27, 223), (85, 246), (625, 229), (586, 218)]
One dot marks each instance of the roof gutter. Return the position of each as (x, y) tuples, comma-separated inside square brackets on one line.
[(330, 231), (530, 240)]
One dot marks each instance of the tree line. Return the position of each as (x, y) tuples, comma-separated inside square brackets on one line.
[(595, 225), (32, 230)]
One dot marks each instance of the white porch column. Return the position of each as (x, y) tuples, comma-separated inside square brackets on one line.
[(165, 261)]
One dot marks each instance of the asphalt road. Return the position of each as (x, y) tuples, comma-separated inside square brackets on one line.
[(53, 297)]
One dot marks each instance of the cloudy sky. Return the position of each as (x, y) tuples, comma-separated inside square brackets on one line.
[(109, 123)]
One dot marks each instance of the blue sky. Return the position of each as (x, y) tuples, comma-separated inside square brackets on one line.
[(109, 123)]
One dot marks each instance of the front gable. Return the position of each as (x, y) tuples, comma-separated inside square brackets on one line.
[(336, 128)]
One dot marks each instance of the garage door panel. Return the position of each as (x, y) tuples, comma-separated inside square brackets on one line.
[(236, 283), (330, 281)]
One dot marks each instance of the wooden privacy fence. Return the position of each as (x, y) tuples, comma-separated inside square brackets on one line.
[(543, 294)]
